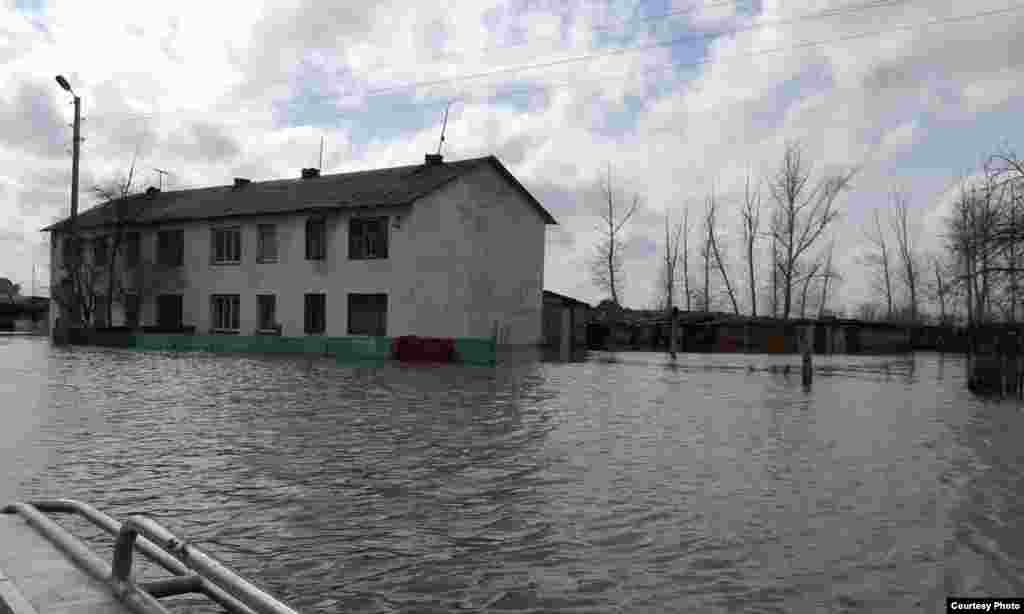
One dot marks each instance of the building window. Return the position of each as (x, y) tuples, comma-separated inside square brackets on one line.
[(99, 310), (132, 249), (367, 314), (224, 310), (267, 304), (316, 238), (131, 310), (227, 245), (99, 251), (170, 247), (316, 314), (68, 250), (169, 311), (267, 248), (368, 238)]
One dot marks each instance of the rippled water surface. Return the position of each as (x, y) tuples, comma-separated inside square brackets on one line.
[(620, 484)]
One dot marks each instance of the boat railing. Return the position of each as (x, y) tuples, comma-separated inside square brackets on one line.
[(193, 570)]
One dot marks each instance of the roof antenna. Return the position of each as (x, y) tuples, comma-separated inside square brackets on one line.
[(321, 167), (443, 126), (161, 172)]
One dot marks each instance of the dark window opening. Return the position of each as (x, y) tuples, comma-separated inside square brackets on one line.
[(367, 314), (170, 247), (132, 249), (131, 310), (316, 238), (315, 314), (227, 245), (99, 251), (368, 238), (169, 311), (224, 311), (267, 304), (267, 248)]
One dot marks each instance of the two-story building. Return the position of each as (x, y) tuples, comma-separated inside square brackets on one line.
[(445, 249)]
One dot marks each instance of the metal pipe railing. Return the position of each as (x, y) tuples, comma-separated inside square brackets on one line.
[(136, 600), (196, 559), (148, 548), (195, 571)]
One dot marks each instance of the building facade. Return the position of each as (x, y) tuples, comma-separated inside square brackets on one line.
[(440, 249)]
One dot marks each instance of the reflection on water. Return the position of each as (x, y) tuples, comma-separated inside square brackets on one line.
[(625, 483)]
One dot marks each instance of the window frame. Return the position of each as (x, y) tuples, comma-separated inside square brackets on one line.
[(313, 222), (100, 251), (233, 314), (129, 297), (309, 319), (161, 321), (261, 243), (235, 231), (175, 247), (262, 325), (381, 331), (132, 248), (358, 238)]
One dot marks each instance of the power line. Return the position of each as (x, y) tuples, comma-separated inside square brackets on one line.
[(665, 67), (805, 45), (603, 28), (838, 11)]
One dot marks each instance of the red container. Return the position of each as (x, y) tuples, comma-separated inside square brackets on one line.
[(424, 349)]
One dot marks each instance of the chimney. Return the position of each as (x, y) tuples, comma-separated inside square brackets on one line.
[(241, 182), (310, 173), (433, 159), (152, 191)]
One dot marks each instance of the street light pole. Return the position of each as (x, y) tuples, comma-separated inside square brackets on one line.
[(72, 259)]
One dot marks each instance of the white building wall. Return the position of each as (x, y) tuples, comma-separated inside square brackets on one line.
[(462, 258)]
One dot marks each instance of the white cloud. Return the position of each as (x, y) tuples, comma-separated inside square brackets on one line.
[(215, 78)]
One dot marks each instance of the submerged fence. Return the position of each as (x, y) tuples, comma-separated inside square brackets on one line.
[(347, 350)]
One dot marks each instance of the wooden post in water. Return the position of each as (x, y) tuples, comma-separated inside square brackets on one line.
[(807, 370), (672, 334)]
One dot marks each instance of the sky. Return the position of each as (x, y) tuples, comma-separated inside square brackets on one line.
[(675, 98)]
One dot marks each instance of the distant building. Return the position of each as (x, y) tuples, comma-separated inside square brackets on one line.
[(447, 249), (565, 320), (24, 314)]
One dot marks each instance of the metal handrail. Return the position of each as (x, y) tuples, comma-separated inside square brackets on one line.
[(195, 571)]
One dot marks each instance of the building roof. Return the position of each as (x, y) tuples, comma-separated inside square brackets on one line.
[(566, 299), (400, 185)]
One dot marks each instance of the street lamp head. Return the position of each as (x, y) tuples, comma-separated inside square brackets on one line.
[(64, 83)]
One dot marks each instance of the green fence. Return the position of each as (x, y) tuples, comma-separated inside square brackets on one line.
[(347, 350)]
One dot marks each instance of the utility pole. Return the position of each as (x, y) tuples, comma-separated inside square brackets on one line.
[(74, 314)]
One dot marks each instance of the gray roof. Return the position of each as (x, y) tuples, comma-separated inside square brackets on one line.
[(400, 185)]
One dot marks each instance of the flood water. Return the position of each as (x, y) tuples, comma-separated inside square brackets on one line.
[(619, 484)]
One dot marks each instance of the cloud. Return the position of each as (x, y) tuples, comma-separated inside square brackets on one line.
[(209, 91)]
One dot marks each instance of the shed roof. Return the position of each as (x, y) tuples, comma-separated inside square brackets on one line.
[(401, 185)]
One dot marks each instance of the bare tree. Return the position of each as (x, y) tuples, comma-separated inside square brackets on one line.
[(827, 276), (751, 228), (716, 250), (906, 250), (808, 277), (686, 257), (706, 253), (805, 210), (606, 267), (670, 264), (116, 193), (880, 260)]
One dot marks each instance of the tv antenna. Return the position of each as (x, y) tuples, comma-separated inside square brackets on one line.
[(443, 127), (161, 172)]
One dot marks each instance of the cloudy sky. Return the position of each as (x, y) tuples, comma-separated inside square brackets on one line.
[(676, 97)]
